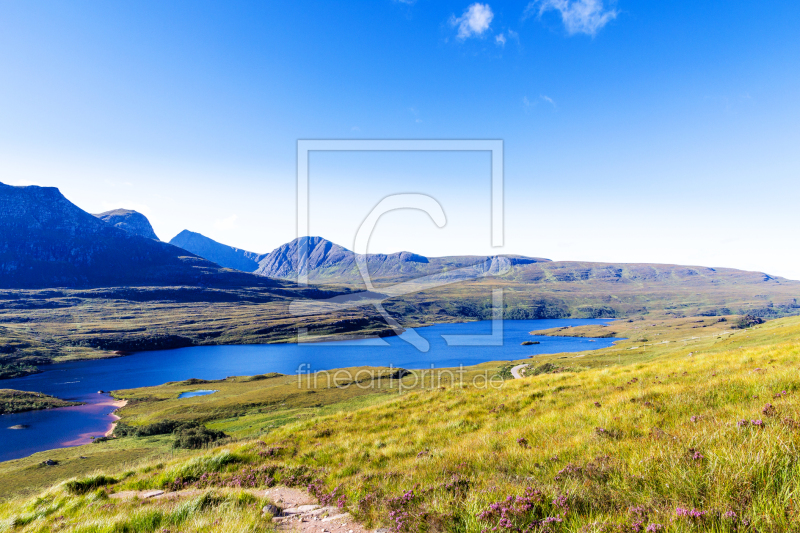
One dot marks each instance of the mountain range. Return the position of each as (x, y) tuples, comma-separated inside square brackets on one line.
[(46, 241), (534, 287), (328, 262)]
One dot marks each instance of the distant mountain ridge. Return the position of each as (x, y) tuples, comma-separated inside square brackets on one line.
[(219, 253), (129, 220), (46, 241), (328, 262)]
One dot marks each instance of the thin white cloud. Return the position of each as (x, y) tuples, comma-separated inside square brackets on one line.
[(547, 99), (474, 22), (226, 223), (24, 183), (528, 105), (578, 16), (500, 39)]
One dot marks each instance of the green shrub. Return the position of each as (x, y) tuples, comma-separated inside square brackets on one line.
[(194, 436), (88, 484)]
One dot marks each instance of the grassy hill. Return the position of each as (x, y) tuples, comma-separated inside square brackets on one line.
[(16, 401), (599, 290), (698, 433)]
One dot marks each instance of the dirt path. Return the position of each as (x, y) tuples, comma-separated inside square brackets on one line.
[(515, 371), (295, 510)]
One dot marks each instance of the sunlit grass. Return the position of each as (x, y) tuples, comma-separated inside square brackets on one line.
[(701, 442)]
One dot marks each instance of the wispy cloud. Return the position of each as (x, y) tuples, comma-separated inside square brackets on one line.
[(226, 223), (578, 16), (503, 37), (527, 104), (474, 22)]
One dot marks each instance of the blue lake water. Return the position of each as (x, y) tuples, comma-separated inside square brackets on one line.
[(81, 380), (199, 392)]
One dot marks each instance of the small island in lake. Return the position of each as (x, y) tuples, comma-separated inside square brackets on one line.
[(17, 401)]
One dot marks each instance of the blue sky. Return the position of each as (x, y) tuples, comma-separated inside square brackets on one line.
[(634, 131)]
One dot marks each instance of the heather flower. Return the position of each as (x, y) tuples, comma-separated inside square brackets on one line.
[(693, 514), (729, 515), (759, 422), (561, 503), (597, 404), (515, 508), (769, 410), (695, 418), (523, 442), (742, 423), (697, 456), (652, 528), (791, 422)]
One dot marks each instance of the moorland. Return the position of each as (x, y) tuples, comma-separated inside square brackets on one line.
[(689, 425)]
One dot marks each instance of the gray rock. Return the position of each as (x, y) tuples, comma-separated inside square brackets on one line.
[(271, 509), (300, 509)]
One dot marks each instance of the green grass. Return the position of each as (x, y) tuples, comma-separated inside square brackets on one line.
[(598, 446), (21, 478)]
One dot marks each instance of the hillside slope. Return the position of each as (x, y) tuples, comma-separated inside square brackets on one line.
[(221, 254), (561, 289), (131, 221), (697, 438)]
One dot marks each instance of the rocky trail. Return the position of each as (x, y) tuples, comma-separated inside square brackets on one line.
[(293, 510)]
